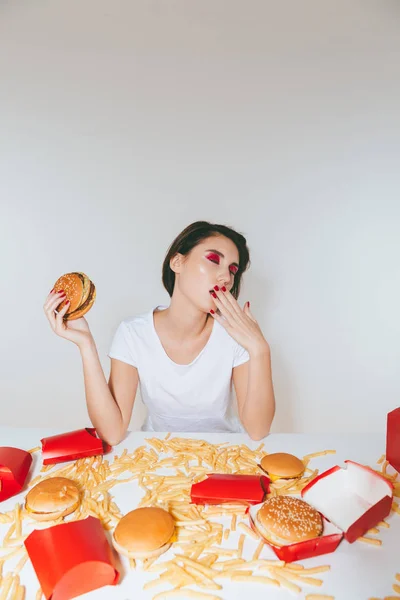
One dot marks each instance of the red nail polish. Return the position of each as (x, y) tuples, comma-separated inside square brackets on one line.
[(216, 288), (212, 312), (223, 288), (67, 302), (52, 291), (248, 304), (213, 294)]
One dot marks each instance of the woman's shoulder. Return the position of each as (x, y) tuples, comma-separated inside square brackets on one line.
[(137, 321)]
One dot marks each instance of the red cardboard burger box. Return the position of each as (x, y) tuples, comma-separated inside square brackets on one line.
[(72, 445), (393, 439), (14, 468), (72, 558), (350, 500), (219, 488)]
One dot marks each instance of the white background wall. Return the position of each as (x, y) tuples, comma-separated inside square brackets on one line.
[(122, 122)]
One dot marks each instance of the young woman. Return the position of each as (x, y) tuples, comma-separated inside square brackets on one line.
[(186, 356)]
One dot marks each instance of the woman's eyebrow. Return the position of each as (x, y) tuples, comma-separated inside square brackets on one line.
[(222, 256)]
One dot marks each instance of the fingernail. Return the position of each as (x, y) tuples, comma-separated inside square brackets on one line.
[(213, 294), (212, 312), (52, 291), (216, 288), (223, 288), (60, 292), (67, 302), (248, 304)]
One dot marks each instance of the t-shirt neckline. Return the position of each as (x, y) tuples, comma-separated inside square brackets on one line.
[(161, 347)]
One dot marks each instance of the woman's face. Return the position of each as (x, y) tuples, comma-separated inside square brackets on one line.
[(214, 261)]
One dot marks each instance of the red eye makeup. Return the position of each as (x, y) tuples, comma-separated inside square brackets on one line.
[(214, 256)]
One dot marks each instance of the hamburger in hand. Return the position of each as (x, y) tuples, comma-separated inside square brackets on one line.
[(144, 533), (52, 498), (284, 520), (79, 291)]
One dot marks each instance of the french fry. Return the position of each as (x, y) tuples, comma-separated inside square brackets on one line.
[(240, 545), (228, 564), (6, 586), (161, 579), (207, 571), (20, 593), (372, 541), (185, 594), (248, 531), (300, 577), (258, 550), (20, 565), (209, 560), (256, 579), (395, 507), (314, 570), (284, 582), (35, 449), (233, 522), (319, 597), (230, 574), (8, 535), (201, 579)]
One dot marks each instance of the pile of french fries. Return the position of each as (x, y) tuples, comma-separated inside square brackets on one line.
[(201, 558)]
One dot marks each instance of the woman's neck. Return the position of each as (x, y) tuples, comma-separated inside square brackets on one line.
[(183, 320)]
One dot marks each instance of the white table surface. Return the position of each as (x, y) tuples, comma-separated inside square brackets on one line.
[(359, 571)]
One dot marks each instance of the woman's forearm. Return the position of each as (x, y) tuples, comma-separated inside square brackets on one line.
[(259, 407), (103, 410)]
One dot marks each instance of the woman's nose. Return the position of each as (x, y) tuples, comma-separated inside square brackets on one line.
[(224, 278)]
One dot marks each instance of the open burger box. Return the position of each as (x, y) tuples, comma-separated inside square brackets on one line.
[(220, 488), (393, 439), (72, 558), (72, 445), (351, 500), (14, 468)]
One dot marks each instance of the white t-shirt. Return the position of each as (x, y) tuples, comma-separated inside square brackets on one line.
[(194, 397)]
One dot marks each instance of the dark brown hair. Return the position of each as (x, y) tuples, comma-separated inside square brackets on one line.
[(191, 236)]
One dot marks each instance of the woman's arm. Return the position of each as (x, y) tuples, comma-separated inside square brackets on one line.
[(252, 380), (109, 405), (255, 393)]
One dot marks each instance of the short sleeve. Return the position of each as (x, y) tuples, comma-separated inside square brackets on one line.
[(240, 355), (123, 345)]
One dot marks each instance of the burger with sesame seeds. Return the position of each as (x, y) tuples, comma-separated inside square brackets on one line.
[(284, 520), (79, 291)]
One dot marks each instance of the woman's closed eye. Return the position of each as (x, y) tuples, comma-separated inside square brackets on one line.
[(215, 259)]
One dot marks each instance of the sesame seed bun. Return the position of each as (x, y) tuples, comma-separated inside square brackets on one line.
[(284, 520), (52, 498), (73, 286), (86, 306), (80, 292), (281, 465), (144, 533)]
